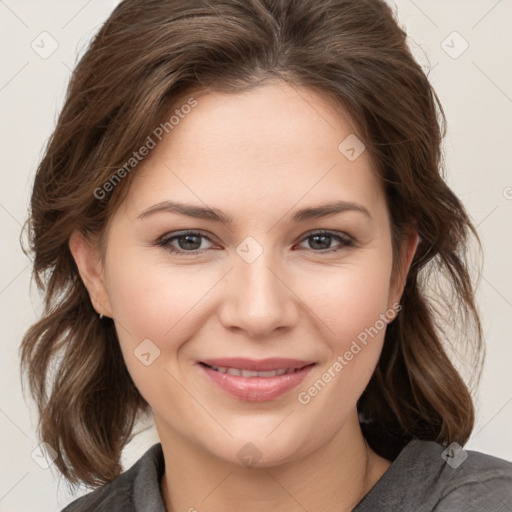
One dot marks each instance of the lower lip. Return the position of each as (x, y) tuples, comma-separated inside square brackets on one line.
[(256, 389)]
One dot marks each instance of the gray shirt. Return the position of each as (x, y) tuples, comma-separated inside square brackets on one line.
[(424, 477)]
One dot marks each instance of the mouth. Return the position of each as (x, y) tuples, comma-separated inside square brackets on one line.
[(254, 380), (252, 373)]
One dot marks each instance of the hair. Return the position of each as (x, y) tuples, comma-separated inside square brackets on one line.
[(148, 55)]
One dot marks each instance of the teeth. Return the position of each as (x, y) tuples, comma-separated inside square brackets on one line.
[(248, 373), (251, 373)]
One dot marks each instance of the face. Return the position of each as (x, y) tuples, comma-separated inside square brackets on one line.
[(253, 314)]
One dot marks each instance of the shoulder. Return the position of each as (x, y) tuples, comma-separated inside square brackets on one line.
[(430, 477), (477, 482), (139, 484), (459, 479)]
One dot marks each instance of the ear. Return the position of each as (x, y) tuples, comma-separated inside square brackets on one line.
[(87, 259), (398, 279)]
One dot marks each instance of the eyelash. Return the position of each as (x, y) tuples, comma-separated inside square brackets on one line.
[(345, 241)]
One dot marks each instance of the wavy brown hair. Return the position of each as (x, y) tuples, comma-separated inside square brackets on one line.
[(148, 55)]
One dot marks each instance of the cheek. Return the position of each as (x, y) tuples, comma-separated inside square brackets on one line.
[(349, 299), (353, 313), (163, 303), (352, 305), (149, 298)]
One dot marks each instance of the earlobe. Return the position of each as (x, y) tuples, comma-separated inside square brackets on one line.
[(86, 256)]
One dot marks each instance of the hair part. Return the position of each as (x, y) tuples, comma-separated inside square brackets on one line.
[(150, 53)]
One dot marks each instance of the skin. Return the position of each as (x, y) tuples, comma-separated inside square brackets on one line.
[(258, 157)]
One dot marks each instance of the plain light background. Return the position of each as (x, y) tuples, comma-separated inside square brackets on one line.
[(475, 88)]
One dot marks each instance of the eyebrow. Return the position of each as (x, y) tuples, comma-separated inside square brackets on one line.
[(213, 214)]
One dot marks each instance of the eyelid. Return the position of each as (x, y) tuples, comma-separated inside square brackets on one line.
[(165, 240), (346, 241), (184, 232), (341, 234)]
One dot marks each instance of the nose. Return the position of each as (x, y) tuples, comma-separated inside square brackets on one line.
[(258, 299)]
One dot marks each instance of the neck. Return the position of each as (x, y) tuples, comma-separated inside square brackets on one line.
[(335, 477)]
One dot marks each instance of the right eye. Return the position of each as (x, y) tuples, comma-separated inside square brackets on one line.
[(184, 242)]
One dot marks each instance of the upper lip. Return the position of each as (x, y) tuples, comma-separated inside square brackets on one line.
[(258, 365)]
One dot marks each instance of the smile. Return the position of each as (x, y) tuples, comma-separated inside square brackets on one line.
[(252, 373), (253, 380)]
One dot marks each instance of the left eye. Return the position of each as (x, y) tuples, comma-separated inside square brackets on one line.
[(321, 239), (190, 242)]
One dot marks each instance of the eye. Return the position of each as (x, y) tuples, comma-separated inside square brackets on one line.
[(185, 242), (320, 241), (191, 242)]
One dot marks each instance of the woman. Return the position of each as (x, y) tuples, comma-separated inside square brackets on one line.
[(237, 225)]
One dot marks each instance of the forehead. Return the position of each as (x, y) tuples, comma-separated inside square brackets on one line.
[(274, 144)]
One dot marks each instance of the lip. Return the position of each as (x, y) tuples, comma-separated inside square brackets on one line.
[(256, 389), (258, 365)]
